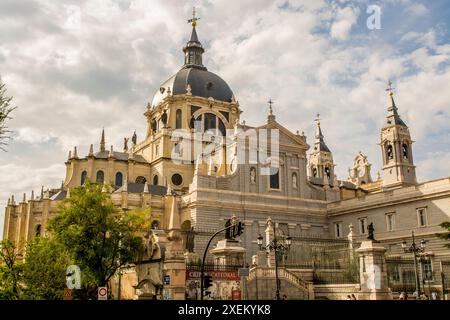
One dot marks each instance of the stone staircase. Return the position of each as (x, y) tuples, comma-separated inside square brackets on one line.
[(261, 283)]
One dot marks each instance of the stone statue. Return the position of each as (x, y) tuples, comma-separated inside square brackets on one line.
[(125, 144), (134, 138), (164, 118), (294, 181), (371, 230), (252, 175), (190, 235), (228, 231)]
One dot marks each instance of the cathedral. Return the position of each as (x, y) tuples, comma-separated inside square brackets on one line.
[(199, 163)]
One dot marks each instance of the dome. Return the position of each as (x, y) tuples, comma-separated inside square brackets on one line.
[(202, 84)]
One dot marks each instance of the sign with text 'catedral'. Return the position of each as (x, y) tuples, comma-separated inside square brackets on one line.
[(216, 274)]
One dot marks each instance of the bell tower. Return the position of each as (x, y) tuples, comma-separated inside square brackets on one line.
[(321, 165), (396, 146)]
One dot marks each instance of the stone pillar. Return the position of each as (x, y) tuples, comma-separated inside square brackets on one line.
[(351, 239), (228, 252), (373, 273), (270, 233), (174, 261)]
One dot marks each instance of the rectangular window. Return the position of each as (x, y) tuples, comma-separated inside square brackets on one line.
[(395, 274), (427, 269), (422, 217), (274, 178), (362, 225), (390, 221), (338, 229), (210, 121)]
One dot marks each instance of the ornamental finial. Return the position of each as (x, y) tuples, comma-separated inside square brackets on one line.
[(194, 19), (390, 89), (318, 119)]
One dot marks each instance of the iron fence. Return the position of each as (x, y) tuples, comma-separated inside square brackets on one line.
[(445, 276)]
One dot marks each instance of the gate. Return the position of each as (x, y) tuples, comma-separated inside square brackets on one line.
[(401, 274), (445, 274)]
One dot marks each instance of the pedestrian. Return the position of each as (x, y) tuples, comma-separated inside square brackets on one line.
[(284, 297), (433, 295), (353, 297), (402, 296), (349, 297)]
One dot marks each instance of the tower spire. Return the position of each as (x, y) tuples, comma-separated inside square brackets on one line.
[(193, 50), (393, 117), (270, 116), (102, 140), (396, 146), (319, 144)]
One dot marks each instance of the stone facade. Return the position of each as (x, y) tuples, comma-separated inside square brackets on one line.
[(304, 196)]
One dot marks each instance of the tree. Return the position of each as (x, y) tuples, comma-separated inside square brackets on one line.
[(445, 235), (100, 237), (10, 270), (5, 111), (44, 270)]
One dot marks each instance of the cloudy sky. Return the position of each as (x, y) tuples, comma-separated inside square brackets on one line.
[(74, 67)]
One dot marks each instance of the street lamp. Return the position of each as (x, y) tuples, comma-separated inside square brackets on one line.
[(279, 248), (415, 250)]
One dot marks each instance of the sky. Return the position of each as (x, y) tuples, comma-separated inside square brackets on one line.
[(75, 67)]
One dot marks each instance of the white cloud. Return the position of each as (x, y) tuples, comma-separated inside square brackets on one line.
[(417, 9), (345, 19), (70, 79)]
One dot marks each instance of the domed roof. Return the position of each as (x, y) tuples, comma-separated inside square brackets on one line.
[(202, 83), (194, 76)]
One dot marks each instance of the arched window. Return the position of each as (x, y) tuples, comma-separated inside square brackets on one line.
[(405, 151), (294, 180), (119, 178), (155, 224), (178, 119), (252, 175), (390, 152), (210, 121), (100, 176), (186, 225), (83, 177), (328, 172), (141, 180), (155, 180), (37, 230)]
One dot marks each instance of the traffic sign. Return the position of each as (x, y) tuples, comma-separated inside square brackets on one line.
[(102, 293), (244, 272)]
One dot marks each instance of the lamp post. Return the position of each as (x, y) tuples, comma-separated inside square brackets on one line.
[(277, 247), (415, 250)]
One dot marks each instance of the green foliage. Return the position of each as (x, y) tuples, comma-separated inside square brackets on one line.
[(99, 237), (10, 271), (5, 111), (445, 235), (44, 270)]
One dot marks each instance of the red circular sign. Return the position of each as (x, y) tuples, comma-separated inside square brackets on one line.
[(102, 291)]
